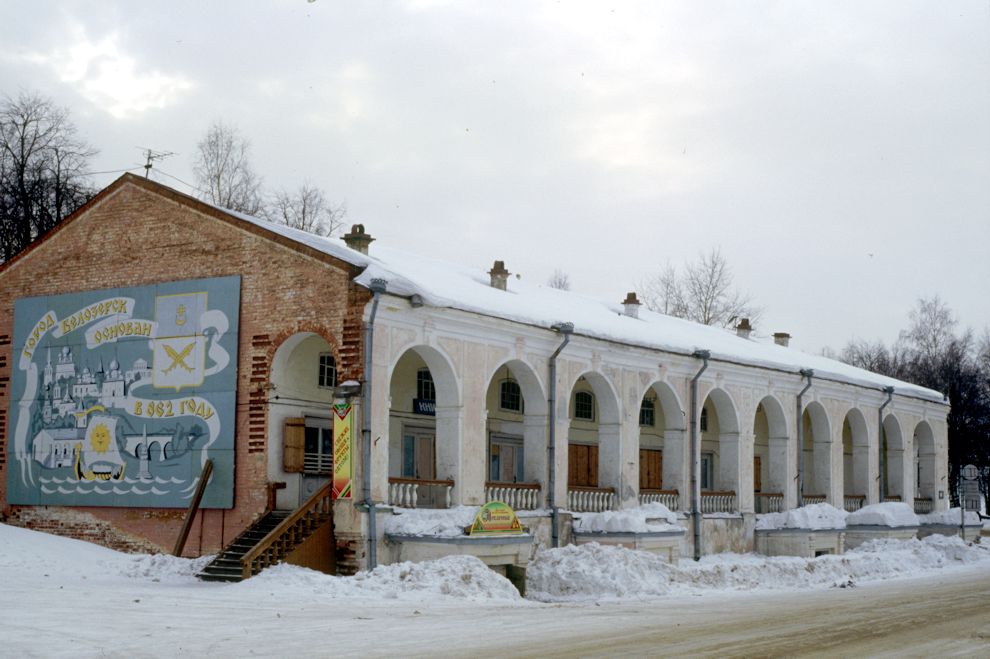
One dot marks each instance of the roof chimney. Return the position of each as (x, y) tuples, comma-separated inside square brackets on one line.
[(782, 338), (743, 329), (631, 305), (357, 239), (499, 275)]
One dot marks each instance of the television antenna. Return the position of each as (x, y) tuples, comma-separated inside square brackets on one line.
[(150, 155)]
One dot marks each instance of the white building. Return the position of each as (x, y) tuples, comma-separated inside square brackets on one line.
[(469, 406)]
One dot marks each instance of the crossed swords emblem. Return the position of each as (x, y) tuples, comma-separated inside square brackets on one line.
[(178, 358)]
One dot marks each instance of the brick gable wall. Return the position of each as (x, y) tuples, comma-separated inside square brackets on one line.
[(135, 235)]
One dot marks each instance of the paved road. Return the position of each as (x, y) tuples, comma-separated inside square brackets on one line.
[(938, 616)]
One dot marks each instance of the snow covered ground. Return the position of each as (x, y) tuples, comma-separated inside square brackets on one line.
[(61, 597)]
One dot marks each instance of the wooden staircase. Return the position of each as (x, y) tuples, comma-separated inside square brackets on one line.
[(271, 539)]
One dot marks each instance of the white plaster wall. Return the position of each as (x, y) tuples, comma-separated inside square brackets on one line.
[(474, 347)]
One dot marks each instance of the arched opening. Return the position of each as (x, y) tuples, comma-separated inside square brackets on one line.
[(924, 468), (661, 447), (892, 460), (517, 432), (855, 460), (816, 455), (769, 456), (721, 458), (424, 449), (594, 464), (303, 375)]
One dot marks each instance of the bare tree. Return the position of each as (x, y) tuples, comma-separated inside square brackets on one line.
[(702, 292), (932, 327), (224, 175), (559, 280), (42, 169), (664, 292), (306, 208)]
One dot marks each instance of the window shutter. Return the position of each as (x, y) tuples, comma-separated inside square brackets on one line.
[(293, 444)]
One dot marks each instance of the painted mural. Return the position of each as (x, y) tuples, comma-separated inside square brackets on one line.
[(120, 396)]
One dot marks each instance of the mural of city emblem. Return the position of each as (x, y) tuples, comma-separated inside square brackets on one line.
[(120, 396), (180, 346)]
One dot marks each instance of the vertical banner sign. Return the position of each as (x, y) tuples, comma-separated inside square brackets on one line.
[(343, 416)]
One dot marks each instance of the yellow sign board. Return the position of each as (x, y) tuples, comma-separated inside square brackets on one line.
[(343, 415), (495, 518)]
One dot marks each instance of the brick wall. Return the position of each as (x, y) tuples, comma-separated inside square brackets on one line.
[(137, 233)]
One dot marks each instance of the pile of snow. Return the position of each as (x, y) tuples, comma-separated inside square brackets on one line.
[(949, 517), (648, 518), (891, 513), (455, 577), (815, 516), (594, 572), (163, 567), (439, 523)]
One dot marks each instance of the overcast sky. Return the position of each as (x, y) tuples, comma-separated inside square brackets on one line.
[(837, 152)]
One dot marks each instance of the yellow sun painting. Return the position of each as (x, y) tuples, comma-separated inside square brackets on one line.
[(100, 439)]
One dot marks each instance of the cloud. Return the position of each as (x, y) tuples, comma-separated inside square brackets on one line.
[(110, 78)]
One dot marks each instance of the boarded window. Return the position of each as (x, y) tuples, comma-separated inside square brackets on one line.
[(293, 444), (650, 469), (582, 465)]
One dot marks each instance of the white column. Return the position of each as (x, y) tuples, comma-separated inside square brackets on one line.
[(676, 467), (449, 424), (745, 501), (535, 449), (610, 457), (730, 467)]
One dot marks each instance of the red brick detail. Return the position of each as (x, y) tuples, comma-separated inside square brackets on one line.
[(137, 233)]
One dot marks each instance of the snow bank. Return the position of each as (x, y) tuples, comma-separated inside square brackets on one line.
[(815, 516), (648, 518), (454, 577), (440, 523), (892, 513), (949, 517), (594, 572), (52, 555)]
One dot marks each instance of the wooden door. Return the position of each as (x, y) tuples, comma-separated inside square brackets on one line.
[(757, 475), (650, 469), (582, 465)]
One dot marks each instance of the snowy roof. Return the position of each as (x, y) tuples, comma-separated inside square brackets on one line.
[(443, 284)]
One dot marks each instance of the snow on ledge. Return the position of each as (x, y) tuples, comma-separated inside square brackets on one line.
[(648, 518), (950, 517), (435, 522), (815, 517), (891, 513)]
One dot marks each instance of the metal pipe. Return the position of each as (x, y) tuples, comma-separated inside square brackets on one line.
[(807, 373), (566, 329), (880, 461), (378, 286), (704, 355)]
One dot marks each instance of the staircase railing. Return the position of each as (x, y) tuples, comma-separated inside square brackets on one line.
[(290, 533)]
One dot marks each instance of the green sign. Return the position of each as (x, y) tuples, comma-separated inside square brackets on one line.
[(495, 518)]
